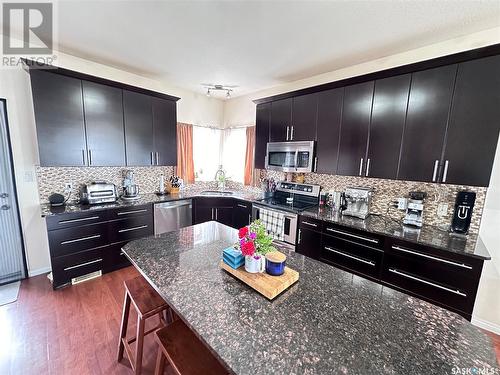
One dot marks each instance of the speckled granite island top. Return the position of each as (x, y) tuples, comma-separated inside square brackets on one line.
[(329, 322)]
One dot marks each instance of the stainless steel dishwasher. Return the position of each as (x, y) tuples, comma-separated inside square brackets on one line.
[(170, 216)]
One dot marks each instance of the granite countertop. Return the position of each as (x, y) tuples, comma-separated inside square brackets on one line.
[(331, 321), (46, 210), (470, 245)]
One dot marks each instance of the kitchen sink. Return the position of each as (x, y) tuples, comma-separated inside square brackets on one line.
[(217, 192)]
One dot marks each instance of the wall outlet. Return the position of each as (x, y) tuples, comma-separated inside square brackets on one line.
[(402, 203), (442, 209)]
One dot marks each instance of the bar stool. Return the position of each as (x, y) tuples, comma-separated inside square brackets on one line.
[(185, 352), (147, 303)]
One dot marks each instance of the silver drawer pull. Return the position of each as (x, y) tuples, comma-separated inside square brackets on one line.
[(83, 264), (131, 212), (310, 224), (134, 228), (241, 205), (350, 256), (431, 257), (81, 239), (78, 220), (427, 282), (352, 235)]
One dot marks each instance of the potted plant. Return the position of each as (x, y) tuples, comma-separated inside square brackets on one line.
[(255, 243)]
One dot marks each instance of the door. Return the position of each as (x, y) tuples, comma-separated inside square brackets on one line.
[(224, 215), (281, 120), (472, 134), (354, 133), (242, 214), (309, 243), (60, 126), (12, 262), (390, 101), (304, 116), (165, 131), (138, 118), (262, 117), (203, 214), (103, 108), (428, 107), (328, 130)]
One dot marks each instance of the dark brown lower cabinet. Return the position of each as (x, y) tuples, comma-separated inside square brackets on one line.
[(242, 214), (228, 211)]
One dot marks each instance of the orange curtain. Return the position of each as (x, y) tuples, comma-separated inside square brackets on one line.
[(248, 178), (185, 164)]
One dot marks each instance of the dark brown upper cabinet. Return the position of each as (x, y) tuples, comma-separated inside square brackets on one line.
[(328, 130), (60, 124), (281, 120), (103, 108), (164, 131), (262, 119), (426, 120), (304, 117), (355, 126), (138, 116), (474, 124), (390, 101)]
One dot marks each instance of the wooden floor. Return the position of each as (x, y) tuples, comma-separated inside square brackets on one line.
[(73, 330)]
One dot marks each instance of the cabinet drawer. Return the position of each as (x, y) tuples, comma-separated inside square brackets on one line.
[(350, 234), (352, 256), (131, 211), (242, 205), (114, 258), (67, 267), (75, 219), (130, 228), (72, 240), (310, 223)]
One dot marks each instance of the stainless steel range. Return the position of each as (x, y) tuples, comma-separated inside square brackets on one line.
[(289, 199)]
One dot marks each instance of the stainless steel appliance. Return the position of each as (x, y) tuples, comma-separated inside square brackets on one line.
[(289, 199), (462, 216), (130, 188), (98, 192), (290, 156), (170, 216), (357, 202), (415, 209)]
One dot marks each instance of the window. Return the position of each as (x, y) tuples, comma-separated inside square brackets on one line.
[(233, 153)]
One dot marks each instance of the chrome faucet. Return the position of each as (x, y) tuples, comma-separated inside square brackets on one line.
[(220, 177)]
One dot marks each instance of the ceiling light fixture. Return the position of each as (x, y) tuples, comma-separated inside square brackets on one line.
[(211, 88)]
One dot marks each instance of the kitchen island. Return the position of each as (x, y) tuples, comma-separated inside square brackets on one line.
[(331, 321)]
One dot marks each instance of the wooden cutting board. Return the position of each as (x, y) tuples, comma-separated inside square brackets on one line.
[(267, 285)]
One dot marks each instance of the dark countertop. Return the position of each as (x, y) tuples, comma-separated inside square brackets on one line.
[(144, 199), (331, 321), (470, 245)]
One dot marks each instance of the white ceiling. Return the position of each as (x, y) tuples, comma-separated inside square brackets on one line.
[(256, 45)]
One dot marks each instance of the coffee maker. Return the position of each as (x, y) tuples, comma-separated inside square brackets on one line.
[(464, 204), (130, 189), (356, 202), (415, 209)]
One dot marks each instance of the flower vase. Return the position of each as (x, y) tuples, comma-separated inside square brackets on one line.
[(255, 264)]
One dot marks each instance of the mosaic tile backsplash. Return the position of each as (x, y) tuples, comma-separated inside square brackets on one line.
[(387, 191)]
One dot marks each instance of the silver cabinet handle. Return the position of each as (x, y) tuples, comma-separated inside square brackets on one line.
[(241, 205), (310, 224), (361, 167), (287, 132), (152, 161), (291, 134), (83, 156), (456, 291), (316, 164), (80, 239), (367, 167), (434, 172), (350, 256), (77, 220), (131, 229), (300, 237), (212, 210), (352, 235), (445, 172), (131, 212), (83, 264), (431, 257), (157, 158), (216, 212), (90, 157)]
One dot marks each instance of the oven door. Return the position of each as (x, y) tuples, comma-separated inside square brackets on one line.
[(289, 225), (290, 156)]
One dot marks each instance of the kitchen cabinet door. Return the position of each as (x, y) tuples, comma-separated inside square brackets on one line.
[(390, 100), (203, 214), (328, 130), (262, 118), (165, 131), (224, 215), (103, 107), (242, 214), (304, 117), (309, 243), (355, 126), (427, 115), (474, 124), (281, 120), (60, 125), (138, 128)]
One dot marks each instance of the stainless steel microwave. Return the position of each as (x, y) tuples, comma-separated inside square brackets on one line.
[(290, 156)]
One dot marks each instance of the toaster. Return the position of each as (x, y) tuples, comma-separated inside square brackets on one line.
[(98, 192)]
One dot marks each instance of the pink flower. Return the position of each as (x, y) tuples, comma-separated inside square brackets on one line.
[(243, 232), (248, 248)]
